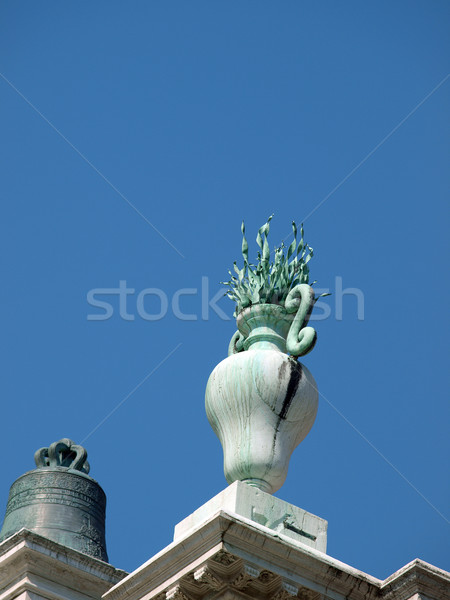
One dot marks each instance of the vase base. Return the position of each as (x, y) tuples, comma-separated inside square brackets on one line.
[(260, 484)]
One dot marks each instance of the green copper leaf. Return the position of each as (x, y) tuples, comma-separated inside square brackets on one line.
[(301, 243), (322, 296), (266, 251), (291, 248), (244, 244), (265, 281), (264, 230), (259, 239)]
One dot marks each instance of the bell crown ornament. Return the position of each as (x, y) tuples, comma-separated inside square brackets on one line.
[(59, 501)]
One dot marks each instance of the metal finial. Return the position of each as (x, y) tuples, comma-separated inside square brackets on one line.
[(64, 453)]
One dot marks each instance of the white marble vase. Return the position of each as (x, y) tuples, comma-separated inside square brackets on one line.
[(261, 402)]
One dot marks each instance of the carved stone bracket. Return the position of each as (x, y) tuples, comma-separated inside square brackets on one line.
[(226, 574), (286, 591), (289, 588), (247, 575), (282, 595), (205, 575), (176, 593), (224, 558), (306, 594)]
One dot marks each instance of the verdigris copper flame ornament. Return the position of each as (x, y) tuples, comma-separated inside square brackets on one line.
[(59, 500), (260, 401)]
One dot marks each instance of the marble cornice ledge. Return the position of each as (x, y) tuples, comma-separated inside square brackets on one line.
[(417, 577), (30, 562), (231, 557)]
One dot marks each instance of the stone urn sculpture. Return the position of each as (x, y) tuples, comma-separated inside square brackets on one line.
[(260, 401)]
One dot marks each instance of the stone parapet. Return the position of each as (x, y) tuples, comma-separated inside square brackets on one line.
[(33, 568)]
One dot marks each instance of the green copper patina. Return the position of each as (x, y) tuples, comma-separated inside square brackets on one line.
[(283, 282), (260, 401), (59, 500), (64, 453)]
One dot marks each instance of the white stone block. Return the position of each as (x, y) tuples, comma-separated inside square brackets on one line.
[(262, 509)]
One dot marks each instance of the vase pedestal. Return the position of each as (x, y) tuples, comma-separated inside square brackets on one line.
[(263, 511)]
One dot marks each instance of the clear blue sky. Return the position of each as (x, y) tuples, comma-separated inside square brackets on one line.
[(199, 114)]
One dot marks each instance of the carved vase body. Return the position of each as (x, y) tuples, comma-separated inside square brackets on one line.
[(261, 402)]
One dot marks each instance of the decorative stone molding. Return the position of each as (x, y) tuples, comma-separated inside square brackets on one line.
[(32, 566), (176, 593), (206, 576), (245, 577), (224, 558), (284, 595), (231, 558), (417, 580), (224, 574)]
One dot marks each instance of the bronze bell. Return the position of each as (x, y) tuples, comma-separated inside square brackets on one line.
[(59, 501)]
